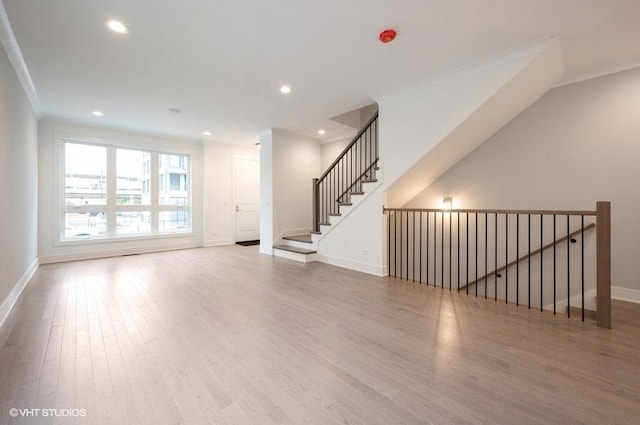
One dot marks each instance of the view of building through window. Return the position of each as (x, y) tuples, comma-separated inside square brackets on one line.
[(127, 197)]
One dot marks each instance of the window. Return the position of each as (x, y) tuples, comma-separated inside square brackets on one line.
[(110, 191), (174, 169), (175, 181)]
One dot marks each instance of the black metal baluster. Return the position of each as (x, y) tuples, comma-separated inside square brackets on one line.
[(495, 258), (486, 252), (529, 264), (400, 240), (554, 264), (450, 251), (427, 247), (389, 242), (435, 248), (466, 257), (458, 245), (568, 268), (442, 249), (407, 254), (506, 258), (517, 260), (413, 247), (395, 244), (420, 255), (582, 261), (541, 262), (476, 255)]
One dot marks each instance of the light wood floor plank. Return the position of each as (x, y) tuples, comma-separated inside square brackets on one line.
[(227, 336)]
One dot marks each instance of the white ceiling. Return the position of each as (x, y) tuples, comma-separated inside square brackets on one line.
[(222, 62)]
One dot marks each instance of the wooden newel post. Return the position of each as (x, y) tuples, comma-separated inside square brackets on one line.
[(316, 206), (603, 264)]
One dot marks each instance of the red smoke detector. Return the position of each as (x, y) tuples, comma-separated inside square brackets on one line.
[(388, 35)]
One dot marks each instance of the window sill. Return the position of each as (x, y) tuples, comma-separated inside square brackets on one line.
[(122, 239)]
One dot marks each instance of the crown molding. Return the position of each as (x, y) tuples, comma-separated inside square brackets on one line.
[(8, 39)]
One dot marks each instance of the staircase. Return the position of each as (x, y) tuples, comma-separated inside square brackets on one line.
[(337, 192)]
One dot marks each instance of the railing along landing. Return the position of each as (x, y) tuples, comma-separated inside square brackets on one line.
[(544, 259)]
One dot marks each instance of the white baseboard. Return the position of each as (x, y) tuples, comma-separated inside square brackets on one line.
[(576, 301), (374, 269), (144, 249), (266, 249), (625, 294), (218, 242), (13, 296)]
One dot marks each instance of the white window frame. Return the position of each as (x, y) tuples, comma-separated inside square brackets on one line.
[(111, 208)]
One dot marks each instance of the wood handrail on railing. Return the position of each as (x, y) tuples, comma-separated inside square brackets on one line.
[(417, 238), (356, 165), (533, 253)]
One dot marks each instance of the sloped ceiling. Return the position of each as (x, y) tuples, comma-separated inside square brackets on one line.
[(222, 62)]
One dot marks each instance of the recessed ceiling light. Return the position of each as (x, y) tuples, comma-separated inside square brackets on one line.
[(207, 133), (285, 89), (321, 132), (98, 113), (117, 26), (175, 110)]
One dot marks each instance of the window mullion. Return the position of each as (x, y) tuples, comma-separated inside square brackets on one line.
[(112, 219), (154, 190)]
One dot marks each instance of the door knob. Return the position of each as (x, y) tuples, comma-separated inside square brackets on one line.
[(237, 208)]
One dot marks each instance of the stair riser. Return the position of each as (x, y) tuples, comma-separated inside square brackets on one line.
[(298, 244), (302, 258)]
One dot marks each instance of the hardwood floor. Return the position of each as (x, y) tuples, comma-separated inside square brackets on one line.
[(225, 335)]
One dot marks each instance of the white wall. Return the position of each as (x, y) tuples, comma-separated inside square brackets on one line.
[(18, 187), (51, 251), (577, 145), (266, 192), (429, 128), (296, 162), (414, 122), (330, 151), (288, 164), (219, 191)]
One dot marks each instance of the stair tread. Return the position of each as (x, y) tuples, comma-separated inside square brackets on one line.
[(334, 214), (294, 249), (356, 193), (345, 203), (306, 238), (370, 181)]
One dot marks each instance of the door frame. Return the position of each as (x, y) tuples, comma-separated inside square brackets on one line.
[(234, 169)]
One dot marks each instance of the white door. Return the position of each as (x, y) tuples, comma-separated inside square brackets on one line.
[(246, 177)]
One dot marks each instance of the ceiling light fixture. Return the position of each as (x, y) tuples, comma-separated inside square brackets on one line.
[(117, 26), (388, 35), (98, 113), (321, 132), (207, 133), (285, 89)]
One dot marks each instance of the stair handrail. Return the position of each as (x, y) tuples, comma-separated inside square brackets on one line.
[(533, 253), (356, 164), (349, 146)]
